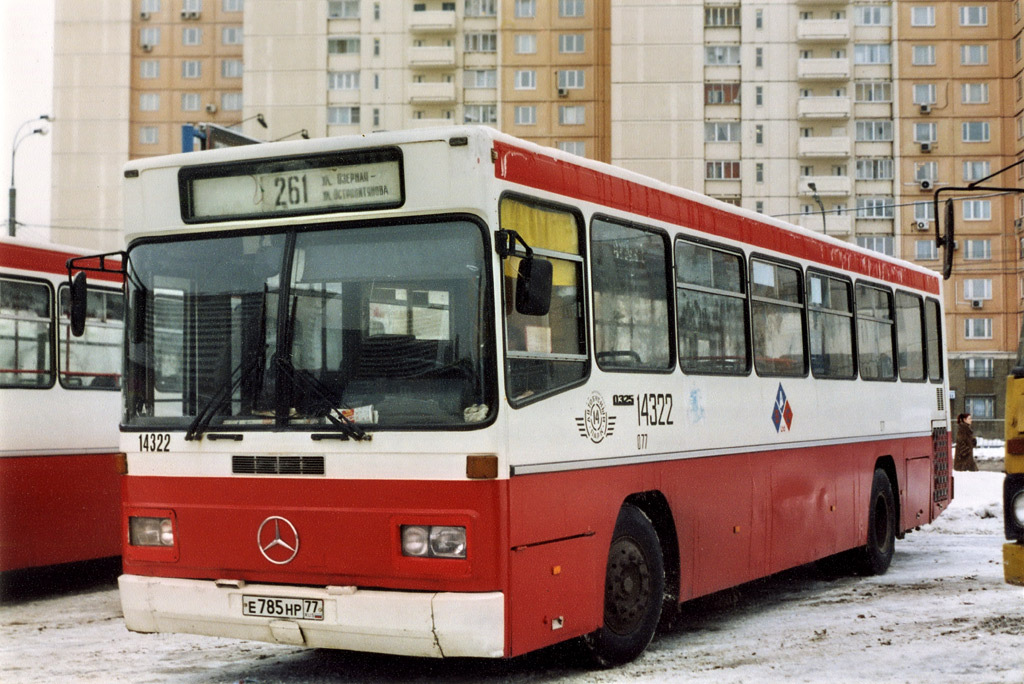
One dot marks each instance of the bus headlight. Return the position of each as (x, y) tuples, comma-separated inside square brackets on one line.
[(1013, 501), (150, 531), (434, 541)]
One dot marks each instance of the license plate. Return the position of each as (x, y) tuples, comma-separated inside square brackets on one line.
[(288, 608)]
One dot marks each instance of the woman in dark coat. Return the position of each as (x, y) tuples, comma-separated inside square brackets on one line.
[(965, 443)]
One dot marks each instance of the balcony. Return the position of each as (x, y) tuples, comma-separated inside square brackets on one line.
[(425, 93), (823, 69), (823, 30), (836, 225), (824, 147), (823, 108), (439, 56), (828, 186), (428, 123), (432, 22)]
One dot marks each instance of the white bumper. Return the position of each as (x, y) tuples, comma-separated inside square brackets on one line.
[(425, 624)]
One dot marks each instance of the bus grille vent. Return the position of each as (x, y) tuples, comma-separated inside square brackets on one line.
[(940, 450), (940, 398), (277, 465)]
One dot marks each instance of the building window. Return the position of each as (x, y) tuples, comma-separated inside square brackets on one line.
[(577, 147), (231, 35), (526, 43), (481, 78), (759, 18), (759, 57), (981, 407), (979, 368), (191, 68), (190, 102), (875, 169), (874, 130), (922, 16), (481, 114), (925, 132), (149, 102), (482, 8), (481, 42), (571, 78), (872, 15), (525, 79), (231, 102), (149, 37), (974, 15), (758, 134), (721, 170), (343, 9), (343, 80), (875, 208), (926, 171), (526, 9), (722, 131), (231, 68), (978, 250), (976, 170), (925, 250), (342, 116), (718, 55), (192, 35), (570, 8), (526, 115), (233, 5), (876, 243), (975, 131), (759, 172), (977, 289), (191, 5), (721, 93), (923, 55), (977, 210), (924, 212), (973, 55), (758, 95), (924, 93), (149, 135), (974, 93), (872, 53), (149, 6), (721, 16), (872, 91), (149, 68), (978, 328), (572, 115), (571, 43), (343, 46)]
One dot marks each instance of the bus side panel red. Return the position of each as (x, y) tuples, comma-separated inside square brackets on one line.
[(58, 509), (348, 530)]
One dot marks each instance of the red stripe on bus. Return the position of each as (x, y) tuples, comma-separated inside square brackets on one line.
[(28, 258), (542, 172)]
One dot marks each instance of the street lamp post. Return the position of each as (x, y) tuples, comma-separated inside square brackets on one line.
[(12, 193), (814, 190)]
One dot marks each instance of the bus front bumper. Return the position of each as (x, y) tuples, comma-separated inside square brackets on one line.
[(425, 624), (1013, 563)]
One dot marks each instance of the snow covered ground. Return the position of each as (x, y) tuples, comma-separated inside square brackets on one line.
[(942, 614)]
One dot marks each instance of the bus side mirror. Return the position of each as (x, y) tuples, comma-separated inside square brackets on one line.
[(79, 298), (533, 287), (948, 242)]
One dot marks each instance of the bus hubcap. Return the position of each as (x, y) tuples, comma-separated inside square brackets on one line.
[(628, 588)]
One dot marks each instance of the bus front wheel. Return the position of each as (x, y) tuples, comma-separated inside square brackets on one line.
[(876, 555), (633, 591)]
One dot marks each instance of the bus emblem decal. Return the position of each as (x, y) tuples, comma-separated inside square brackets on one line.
[(782, 415), (595, 423), (279, 543)]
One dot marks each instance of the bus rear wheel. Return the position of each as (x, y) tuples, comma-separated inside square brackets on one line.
[(633, 591), (876, 555)]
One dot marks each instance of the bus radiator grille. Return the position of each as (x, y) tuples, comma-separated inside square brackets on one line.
[(277, 465)]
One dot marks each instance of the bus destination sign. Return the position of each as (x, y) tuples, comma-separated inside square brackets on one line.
[(297, 186)]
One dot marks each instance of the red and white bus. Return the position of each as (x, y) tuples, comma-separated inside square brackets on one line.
[(448, 393), (59, 406)]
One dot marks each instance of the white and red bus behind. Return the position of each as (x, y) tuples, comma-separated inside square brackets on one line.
[(59, 408), (448, 393)]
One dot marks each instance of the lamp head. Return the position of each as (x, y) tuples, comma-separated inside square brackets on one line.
[(261, 121)]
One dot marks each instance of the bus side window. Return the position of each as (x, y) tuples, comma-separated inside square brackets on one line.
[(26, 334), (777, 319), (830, 320), (910, 336), (632, 328), (933, 339), (549, 352), (875, 333), (92, 361)]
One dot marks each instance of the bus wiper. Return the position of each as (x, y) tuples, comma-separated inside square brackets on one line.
[(202, 420), (323, 394)]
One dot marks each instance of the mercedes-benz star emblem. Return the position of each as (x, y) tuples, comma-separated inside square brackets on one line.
[(278, 540)]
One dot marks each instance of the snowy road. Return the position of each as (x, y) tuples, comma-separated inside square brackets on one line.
[(941, 614)]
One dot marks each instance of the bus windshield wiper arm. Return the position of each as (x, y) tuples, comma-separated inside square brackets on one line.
[(222, 396), (317, 388)]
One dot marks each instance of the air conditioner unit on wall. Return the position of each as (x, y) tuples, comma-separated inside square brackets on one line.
[(926, 109), (977, 303), (1018, 223), (563, 92), (146, 47), (926, 147), (144, 16), (211, 108), (920, 225), (926, 184)]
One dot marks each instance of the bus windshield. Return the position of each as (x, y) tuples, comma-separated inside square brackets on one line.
[(387, 325)]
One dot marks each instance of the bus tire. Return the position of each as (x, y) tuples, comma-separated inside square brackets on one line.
[(633, 593), (876, 555)]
